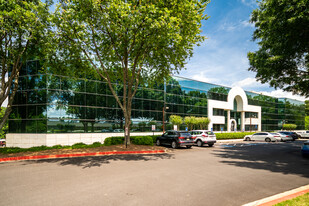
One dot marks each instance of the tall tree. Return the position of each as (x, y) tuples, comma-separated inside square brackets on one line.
[(130, 41), (282, 32), (23, 24)]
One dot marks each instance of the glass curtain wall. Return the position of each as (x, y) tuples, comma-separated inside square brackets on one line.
[(51, 103)]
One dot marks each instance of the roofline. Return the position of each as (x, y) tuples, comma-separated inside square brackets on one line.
[(259, 93)]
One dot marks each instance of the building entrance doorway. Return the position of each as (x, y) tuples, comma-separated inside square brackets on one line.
[(233, 125)]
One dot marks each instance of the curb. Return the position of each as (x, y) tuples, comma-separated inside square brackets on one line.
[(37, 157), (280, 197)]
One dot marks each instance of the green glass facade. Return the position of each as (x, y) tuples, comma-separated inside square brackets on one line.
[(52, 103)]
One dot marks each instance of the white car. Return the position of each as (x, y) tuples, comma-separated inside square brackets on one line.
[(304, 134), (263, 136), (202, 137)]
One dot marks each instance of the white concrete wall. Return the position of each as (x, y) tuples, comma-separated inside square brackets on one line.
[(32, 140), (242, 106)]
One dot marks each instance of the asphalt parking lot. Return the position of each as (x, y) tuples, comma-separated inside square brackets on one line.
[(226, 174)]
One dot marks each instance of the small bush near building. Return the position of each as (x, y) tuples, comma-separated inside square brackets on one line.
[(144, 140), (236, 135), (138, 140), (289, 126)]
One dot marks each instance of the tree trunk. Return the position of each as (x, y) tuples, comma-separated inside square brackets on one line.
[(127, 130)]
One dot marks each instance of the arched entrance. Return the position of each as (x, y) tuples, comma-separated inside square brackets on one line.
[(233, 124)]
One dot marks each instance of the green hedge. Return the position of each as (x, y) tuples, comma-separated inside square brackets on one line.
[(7, 150), (236, 135), (138, 140)]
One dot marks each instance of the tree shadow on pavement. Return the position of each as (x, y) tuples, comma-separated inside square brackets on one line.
[(276, 157), (97, 161)]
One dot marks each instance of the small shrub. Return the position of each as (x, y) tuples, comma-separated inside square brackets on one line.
[(143, 140), (79, 145), (57, 147), (289, 126), (113, 141), (236, 135)]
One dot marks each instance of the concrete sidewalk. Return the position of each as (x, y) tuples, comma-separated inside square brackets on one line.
[(280, 197)]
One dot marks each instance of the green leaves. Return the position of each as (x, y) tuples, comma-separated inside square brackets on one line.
[(156, 36), (282, 30)]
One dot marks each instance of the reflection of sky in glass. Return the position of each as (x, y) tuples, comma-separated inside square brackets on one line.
[(292, 101), (196, 85)]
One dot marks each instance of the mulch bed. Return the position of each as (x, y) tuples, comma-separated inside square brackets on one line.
[(112, 148)]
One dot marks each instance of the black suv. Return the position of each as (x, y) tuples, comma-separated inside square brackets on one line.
[(176, 139)]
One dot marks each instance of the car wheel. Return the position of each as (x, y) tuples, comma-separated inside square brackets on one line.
[(174, 145), (267, 140), (158, 142), (281, 140), (210, 145), (199, 143), (248, 139), (189, 146)]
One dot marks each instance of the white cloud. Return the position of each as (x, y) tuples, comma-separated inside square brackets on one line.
[(246, 23), (250, 3), (250, 84)]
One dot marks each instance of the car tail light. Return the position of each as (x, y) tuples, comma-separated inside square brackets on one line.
[(203, 135), (287, 136), (180, 137)]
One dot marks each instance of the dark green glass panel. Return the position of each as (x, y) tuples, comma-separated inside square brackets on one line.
[(41, 96), (101, 101), (91, 87), (31, 126), (15, 126), (32, 67), (53, 82), (91, 100), (80, 99), (41, 126)]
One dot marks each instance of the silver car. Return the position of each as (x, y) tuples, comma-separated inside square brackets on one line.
[(262, 136), (285, 136)]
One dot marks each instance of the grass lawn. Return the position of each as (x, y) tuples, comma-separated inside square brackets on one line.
[(302, 200)]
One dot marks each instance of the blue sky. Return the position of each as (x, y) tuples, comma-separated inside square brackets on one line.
[(222, 57)]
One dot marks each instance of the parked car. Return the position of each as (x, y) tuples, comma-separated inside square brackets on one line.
[(2, 142), (175, 139), (105, 130), (305, 149), (263, 136), (295, 136), (118, 130), (285, 136), (304, 135), (202, 137)]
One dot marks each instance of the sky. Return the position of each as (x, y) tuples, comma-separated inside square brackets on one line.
[(222, 57)]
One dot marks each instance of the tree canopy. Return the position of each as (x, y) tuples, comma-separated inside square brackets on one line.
[(23, 30), (282, 31), (130, 41)]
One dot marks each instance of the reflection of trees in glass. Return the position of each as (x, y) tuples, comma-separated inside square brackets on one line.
[(218, 93)]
